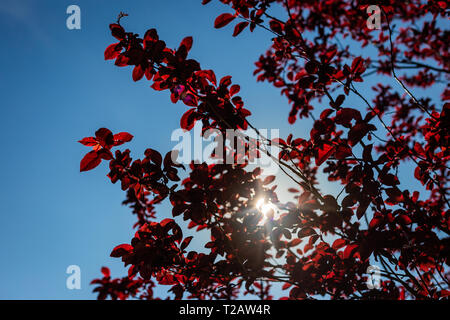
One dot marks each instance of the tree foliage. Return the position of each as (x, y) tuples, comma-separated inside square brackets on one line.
[(320, 245)]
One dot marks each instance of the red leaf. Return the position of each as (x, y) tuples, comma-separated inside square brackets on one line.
[(138, 73), (345, 115), (297, 142), (343, 151), (234, 89), (187, 121), (154, 156), (325, 113), (88, 141), (223, 20), (324, 153), (389, 179), (117, 31), (159, 86), (286, 286), (419, 175), (105, 138), (358, 65), (121, 138), (190, 100), (305, 232), (167, 280), (375, 222), (106, 272), (187, 42), (276, 26), (338, 102), (350, 250), (358, 132), (150, 35), (209, 75), (295, 242), (444, 293), (404, 219), (239, 28), (166, 222), (148, 73), (90, 161), (245, 113), (169, 159), (112, 51), (395, 195), (105, 154), (339, 243), (121, 250), (225, 81), (121, 61), (268, 179), (292, 119), (362, 208), (186, 242)]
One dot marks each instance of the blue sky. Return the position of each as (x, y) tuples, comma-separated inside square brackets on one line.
[(56, 89)]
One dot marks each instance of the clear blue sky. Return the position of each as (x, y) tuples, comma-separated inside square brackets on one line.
[(55, 89)]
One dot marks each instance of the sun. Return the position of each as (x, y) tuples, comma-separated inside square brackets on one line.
[(267, 209)]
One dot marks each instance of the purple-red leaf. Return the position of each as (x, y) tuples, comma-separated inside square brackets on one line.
[(185, 242), (121, 250), (112, 51), (324, 153), (90, 161), (187, 42), (223, 20), (121, 138), (239, 28)]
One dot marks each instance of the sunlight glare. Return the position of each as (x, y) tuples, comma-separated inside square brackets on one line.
[(266, 208)]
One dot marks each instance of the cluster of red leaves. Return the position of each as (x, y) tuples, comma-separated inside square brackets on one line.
[(101, 144), (121, 288), (319, 244), (214, 104)]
